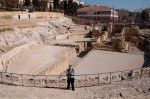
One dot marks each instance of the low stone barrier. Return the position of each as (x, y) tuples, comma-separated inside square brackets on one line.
[(26, 15), (71, 36), (54, 38), (7, 13), (49, 14), (85, 80)]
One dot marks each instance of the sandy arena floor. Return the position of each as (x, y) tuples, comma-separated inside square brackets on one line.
[(34, 59), (105, 61)]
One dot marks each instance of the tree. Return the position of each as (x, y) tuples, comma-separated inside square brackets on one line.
[(72, 7), (27, 2), (137, 16), (36, 4), (145, 15), (8, 3), (125, 15), (56, 4)]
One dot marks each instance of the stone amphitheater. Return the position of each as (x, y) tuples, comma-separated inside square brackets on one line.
[(36, 52)]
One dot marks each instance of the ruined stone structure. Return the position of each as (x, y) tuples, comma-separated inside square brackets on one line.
[(118, 36), (55, 67)]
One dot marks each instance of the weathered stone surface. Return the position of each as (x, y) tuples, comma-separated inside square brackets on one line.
[(44, 30)]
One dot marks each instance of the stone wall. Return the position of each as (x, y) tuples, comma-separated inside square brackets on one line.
[(48, 14), (129, 32), (26, 15), (57, 68), (8, 57), (62, 64), (142, 41), (115, 28), (86, 80), (7, 13), (54, 38)]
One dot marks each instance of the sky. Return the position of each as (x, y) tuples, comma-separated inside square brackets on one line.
[(131, 5)]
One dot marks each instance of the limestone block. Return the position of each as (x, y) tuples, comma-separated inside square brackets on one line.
[(130, 31)]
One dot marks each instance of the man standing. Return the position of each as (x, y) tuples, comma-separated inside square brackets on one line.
[(70, 77)]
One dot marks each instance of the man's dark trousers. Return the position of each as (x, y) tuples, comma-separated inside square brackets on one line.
[(70, 81)]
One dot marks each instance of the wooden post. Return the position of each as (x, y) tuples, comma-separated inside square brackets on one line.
[(46, 82), (59, 81), (2, 76), (33, 81), (98, 79), (110, 79), (149, 73), (121, 76), (21, 80), (85, 80), (12, 78), (141, 73)]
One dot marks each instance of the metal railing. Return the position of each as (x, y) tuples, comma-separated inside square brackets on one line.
[(85, 80)]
